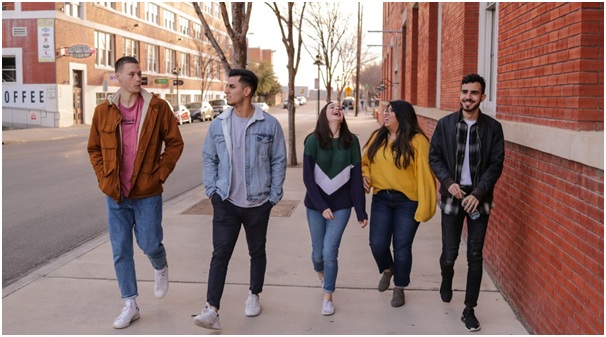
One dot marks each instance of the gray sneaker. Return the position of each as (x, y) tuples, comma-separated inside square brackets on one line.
[(398, 298), (385, 281), (208, 319), (252, 305)]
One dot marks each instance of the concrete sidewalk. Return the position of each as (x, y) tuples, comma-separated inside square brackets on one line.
[(78, 293)]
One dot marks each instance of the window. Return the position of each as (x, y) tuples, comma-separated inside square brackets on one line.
[(170, 57), (197, 31), (183, 25), (185, 64), (151, 58), (131, 48), (218, 69), (131, 8), (151, 13), (9, 69), (107, 4), (104, 51), (487, 55), (197, 68), (169, 20), (101, 96), (171, 98), (72, 9), (197, 98)]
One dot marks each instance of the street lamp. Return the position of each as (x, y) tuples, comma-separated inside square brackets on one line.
[(338, 80), (318, 63), (176, 71)]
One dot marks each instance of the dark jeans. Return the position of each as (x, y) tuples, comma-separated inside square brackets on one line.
[(227, 220), (452, 227), (392, 220)]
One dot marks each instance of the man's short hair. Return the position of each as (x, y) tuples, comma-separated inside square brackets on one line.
[(124, 60), (247, 77), (475, 78)]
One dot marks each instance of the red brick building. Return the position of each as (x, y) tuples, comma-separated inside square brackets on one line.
[(58, 57), (544, 68)]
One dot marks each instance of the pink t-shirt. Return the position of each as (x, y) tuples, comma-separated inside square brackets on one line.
[(131, 118)]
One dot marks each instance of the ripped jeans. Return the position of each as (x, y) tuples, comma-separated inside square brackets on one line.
[(452, 227)]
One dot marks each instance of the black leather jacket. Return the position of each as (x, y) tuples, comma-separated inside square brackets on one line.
[(492, 154)]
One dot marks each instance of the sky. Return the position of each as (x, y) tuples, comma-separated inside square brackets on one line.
[(264, 32)]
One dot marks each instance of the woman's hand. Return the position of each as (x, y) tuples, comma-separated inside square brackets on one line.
[(366, 181), (327, 214)]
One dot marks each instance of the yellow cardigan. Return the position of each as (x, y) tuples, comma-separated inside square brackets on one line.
[(416, 181)]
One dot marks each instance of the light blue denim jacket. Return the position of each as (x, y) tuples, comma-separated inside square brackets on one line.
[(265, 157)]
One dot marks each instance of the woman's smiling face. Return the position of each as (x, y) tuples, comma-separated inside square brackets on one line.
[(334, 113)]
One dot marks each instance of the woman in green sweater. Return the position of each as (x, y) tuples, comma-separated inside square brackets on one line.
[(332, 175), (395, 163)]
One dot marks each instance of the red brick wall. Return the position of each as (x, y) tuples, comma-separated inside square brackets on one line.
[(33, 71), (551, 64), (459, 49), (545, 243), (428, 52), (411, 70)]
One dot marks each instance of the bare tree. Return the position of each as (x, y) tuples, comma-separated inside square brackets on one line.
[(370, 78), (287, 25), (236, 30), (204, 66), (347, 54), (327, 28)]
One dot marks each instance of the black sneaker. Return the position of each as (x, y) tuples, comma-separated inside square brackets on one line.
[(446, 291), (470, 320)]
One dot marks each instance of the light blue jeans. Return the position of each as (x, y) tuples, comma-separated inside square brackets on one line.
[(144, 217), (325, 241)]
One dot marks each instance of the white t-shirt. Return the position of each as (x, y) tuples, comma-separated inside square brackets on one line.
[(466, 172)]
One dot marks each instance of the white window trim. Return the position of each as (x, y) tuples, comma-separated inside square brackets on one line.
[(18, 54), (485, 69)]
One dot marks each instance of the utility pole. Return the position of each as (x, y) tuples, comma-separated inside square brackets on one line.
[(358, 60)]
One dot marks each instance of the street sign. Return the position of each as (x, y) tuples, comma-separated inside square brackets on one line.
[(161, 80), (177, 82), (348, 91)]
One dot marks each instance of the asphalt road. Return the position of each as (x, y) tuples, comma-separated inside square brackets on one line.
[(51, 203)]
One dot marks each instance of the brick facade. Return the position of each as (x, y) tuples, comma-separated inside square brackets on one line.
[(545, 244), (59, 80)]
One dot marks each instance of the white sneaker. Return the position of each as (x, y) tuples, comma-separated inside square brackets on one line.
[(328, 308), (130, 313), (252, 305), (161, 282), (208, 319)]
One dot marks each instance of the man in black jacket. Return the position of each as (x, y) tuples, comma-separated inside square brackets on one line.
[(466, 155)]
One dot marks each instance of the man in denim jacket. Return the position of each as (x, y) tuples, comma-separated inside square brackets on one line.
[(244, 166)]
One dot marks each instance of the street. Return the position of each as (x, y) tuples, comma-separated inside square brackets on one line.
[(51, 203)]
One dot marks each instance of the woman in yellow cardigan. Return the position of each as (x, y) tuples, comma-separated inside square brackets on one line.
[(395, 163)]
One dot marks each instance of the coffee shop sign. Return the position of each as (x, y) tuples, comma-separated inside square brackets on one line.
[(80, 51)]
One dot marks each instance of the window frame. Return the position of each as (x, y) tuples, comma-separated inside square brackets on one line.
[(108, 51)]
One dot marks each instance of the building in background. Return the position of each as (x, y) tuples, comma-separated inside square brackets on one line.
[(58, 57), (544, 67)]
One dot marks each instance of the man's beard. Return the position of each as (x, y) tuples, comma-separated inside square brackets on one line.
[(470, 109)]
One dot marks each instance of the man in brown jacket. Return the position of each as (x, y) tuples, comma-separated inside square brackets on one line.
[(125, 149)]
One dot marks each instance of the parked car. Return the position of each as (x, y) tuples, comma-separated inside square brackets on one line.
[(263, 106), (201, 111), (302, 100), (219, 105), (285, 104), (182, 114), (348, 103)]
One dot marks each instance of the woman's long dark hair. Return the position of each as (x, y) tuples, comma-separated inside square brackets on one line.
[(324, 135), (403, 151)]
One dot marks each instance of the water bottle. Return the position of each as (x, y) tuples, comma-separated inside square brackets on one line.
[(474, 215)]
